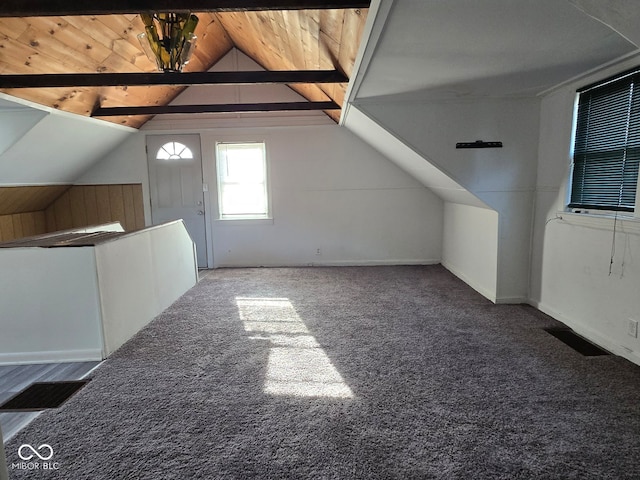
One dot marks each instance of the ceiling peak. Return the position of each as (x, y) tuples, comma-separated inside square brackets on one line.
[(40, 8)]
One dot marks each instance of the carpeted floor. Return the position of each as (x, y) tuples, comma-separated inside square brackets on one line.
[(344, 373)]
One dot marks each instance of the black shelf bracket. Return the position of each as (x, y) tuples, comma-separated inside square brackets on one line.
[(479, 144)]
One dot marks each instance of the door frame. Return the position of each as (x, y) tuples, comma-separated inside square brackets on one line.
[(206, 187)]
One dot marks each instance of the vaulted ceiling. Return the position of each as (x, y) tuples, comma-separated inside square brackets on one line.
[(292, 39)]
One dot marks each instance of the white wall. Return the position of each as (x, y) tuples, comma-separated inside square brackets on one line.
[(475, 261), (412, 162), (119, 165), (503, 178), (236, 61), (139, 275), (122, 165), (330, 191), (36, 315), (571, 253)]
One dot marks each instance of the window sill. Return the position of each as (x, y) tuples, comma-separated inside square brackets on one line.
[(244, 222), (626, 222)]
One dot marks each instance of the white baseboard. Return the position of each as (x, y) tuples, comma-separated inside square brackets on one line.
[(481, 289), (330, 263), (24, 358), (511, 300), (373, 263)]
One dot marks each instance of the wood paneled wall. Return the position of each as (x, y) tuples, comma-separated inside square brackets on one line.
[(22, 209), (33, 210), (21, 225), (84, 205), (31, 198)]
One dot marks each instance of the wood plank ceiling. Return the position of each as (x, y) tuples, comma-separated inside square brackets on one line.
[(276, 39)]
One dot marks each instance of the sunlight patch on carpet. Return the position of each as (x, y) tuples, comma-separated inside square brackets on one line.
[(297, 365)]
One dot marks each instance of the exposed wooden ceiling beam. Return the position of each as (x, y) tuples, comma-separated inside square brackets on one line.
[(40, 8), (170, 78), (215, 108)]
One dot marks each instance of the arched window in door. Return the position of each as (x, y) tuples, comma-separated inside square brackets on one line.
[(174, 151)]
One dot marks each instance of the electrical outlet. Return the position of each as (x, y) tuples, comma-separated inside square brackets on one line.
[(632, 328)]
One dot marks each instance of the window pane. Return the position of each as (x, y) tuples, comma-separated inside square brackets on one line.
[(244, 165), (599, 176), (174, 151), (243, 200), (605, 162), (242, 185)]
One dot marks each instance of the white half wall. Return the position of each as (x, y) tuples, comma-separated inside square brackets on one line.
[(139, 275), (78, 303), (470, 246), (572, 253), (49, 305)]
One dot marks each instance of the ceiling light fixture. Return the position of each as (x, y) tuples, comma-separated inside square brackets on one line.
[(168, 39)]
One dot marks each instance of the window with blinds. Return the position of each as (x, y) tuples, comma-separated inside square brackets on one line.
[(607, 145)]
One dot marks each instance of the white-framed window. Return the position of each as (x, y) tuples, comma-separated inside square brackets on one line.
[(242, 180), (606, 149)]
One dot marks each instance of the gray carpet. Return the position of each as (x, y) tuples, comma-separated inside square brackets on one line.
[(354, 373)]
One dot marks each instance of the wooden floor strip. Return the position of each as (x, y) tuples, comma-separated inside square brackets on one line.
[(15, 378)]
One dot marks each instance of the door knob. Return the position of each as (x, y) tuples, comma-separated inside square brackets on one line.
[(200, 212)]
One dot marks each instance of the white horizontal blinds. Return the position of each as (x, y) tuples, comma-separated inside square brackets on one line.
[(242, 180), (607, 145)]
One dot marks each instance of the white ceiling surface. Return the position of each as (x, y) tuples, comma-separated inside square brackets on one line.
[(39, 145), (15, 121), (623, 16), (465, 50), (462, 48)]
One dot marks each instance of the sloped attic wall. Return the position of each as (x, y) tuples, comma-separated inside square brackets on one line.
[(42, 152), (15, 121), (436, 73), (502, 179), (49, 146), (465, 215)]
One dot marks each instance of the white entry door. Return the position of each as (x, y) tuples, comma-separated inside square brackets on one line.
[(175, 185)]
